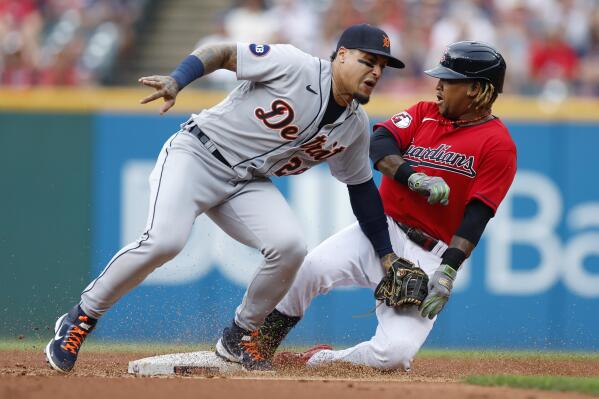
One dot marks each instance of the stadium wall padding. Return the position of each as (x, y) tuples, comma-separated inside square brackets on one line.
[(77, 192), (45, 203)]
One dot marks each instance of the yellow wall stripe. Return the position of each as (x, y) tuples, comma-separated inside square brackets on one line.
[(192, 100)]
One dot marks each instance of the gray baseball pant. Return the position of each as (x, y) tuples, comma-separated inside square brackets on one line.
[(186, 182)]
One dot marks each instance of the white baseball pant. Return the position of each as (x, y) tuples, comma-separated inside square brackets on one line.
[(345, 259)]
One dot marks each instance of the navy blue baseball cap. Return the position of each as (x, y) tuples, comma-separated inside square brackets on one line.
[(371, 40)]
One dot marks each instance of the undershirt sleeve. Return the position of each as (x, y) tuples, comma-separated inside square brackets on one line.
[(476, 216), (382, 143), (368, 208)]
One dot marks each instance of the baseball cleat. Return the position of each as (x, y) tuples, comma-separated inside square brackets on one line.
[(70, 330), (296, 359), (241, 346)]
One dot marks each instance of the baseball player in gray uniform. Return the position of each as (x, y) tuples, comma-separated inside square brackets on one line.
[(290, 112)]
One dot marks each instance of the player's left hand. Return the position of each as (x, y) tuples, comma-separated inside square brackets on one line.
[(166, 87), (439, 289), (388, 260), (403, 284)]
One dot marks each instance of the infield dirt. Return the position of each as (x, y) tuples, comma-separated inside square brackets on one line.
[(24, 374)]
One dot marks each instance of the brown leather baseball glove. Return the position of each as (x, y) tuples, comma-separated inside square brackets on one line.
[(404, 284)]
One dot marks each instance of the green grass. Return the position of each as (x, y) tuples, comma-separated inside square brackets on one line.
[(586, 385), (502, 354), (99, 345)]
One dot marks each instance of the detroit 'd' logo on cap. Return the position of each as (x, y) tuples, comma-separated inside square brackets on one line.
[(402, 120), (444, 56), (386, 41), (259, 50)]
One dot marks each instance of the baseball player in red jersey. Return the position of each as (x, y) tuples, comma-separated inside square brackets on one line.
[(454, 143)]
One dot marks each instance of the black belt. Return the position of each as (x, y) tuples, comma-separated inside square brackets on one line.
[(205, 140), (419, 237)]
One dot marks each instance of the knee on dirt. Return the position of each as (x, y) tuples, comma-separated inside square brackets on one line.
[(395, 355)]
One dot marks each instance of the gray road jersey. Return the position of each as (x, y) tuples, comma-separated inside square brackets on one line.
[(268, 125)]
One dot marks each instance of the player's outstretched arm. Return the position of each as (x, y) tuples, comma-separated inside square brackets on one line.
[(217, 56), (202, 61)]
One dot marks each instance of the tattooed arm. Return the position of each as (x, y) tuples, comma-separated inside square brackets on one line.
[(217, 56), (202, 61)]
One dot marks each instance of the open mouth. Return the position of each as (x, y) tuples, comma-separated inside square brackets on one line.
[(439, 98), (370, 83)]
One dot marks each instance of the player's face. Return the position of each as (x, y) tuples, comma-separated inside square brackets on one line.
[(362, 73), (452, 98)]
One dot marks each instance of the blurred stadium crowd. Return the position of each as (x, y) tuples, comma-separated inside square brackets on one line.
[(550, 45), (63, 42)]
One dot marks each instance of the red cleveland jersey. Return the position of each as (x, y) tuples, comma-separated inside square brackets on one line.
[(475, 161)]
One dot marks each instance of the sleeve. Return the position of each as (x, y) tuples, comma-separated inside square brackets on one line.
[(352, 166), (476, 216), (494, 177), (367, 206), (403, 125), (264, 62), (382, 144)]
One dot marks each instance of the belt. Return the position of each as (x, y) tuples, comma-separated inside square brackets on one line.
[(206, 142), (423, 240)]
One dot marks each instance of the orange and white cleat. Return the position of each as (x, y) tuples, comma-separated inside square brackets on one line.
[(241, 346), (70, 330)]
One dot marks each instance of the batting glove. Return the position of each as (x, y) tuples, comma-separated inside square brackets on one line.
[(440, 287), (434, 188)]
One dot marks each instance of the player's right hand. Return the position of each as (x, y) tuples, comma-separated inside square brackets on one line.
[(166, 87), (434, 188)]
